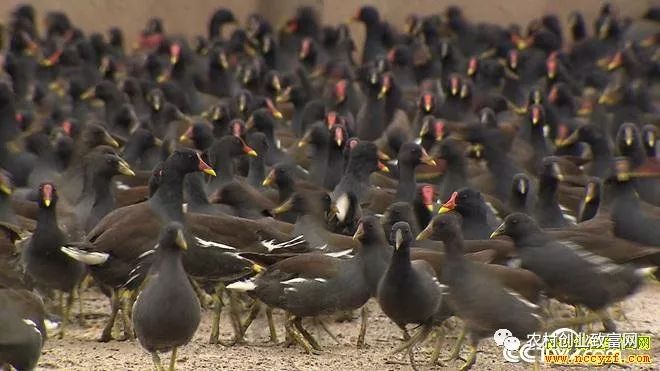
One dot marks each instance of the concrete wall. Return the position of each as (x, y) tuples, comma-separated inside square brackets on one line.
[(190, 17)]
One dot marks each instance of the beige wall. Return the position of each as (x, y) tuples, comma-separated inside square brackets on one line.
[(191, 16)]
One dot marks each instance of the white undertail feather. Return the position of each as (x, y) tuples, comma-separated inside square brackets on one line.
[(243, 286), (51, 325), (89, 258), (646, 271), (343, 204), (31, 323)]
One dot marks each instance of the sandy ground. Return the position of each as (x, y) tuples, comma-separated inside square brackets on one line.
[(80, 351)]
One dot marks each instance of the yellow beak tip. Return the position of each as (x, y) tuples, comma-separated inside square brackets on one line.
[(444, 209), (252, 153), (210, 172)]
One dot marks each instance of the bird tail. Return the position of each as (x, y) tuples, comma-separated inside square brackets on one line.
[(86, 257), (242, 286)]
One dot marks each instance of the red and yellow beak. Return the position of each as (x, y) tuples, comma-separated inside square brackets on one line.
[(536, 115), (47, 194), (175, 53), (472, 66), (204, 167), (382, 167), (426, 159), (187, 135), (449, 205), (270, 179)]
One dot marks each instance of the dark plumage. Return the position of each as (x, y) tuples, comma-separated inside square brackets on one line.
[(168, 298), (572, 274)]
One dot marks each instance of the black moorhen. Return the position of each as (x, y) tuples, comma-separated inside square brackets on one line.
[(44, 262), (168, 298), (409, 291)]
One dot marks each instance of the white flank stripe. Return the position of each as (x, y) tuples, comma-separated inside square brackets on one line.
[(293, 281), (271, 245), (339, 254), (205, 243), (523, 300)]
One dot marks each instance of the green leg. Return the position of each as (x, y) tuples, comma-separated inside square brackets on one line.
[(127, 299), (607, 321), (106, 335), (325, 328), (298, 337), (406, 335), (217, 310), (65, 319), (156, 359), (271, 325), (471, 358), (254, 312), (234, 314), (297, 322), (81, 314), (456, 350), (439, 341), (363, 327), (173, 359)]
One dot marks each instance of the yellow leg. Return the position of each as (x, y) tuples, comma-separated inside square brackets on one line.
[(297, 337), (217, 310), (127, 299), (173, 359), (456, 350), (363, 327), (106, 335), (271, 325), (156, 359), (471, 359), (297, 322), (439, 340)]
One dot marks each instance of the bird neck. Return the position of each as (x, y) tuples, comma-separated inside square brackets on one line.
[(6, 211), (405, 190), (518, 201), (170, 265), (401, 259), (256, 171), (357, 169), (46, 219), (194, 190), (167, 201), (548, 189), (319, 162), (454, 247)]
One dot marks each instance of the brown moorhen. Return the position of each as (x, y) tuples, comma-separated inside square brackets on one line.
[(572, 274), (483, 304)]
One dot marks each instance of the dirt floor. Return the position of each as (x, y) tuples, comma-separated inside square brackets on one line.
[(80, 351)]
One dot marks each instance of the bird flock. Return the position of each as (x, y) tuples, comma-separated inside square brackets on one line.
[(495, 174)]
